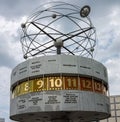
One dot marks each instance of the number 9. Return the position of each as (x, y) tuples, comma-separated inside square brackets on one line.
[(40, 83)]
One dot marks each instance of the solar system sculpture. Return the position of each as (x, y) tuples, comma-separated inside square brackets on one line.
[(60, 80)]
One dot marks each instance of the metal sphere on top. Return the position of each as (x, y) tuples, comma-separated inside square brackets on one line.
[(23, 25), (58, 43), (58, 21), (85, 11), (54, 16)]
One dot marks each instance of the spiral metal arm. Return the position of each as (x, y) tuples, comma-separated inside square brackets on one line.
[(59, 28)]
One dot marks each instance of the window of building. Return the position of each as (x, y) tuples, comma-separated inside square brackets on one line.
[(118, 113), (117, 99), (111, 99), (118, 106), (112, 120), (112, 113), (105, 120), (112, 106), (118, 119)]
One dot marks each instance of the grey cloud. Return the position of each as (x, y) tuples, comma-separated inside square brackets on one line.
[(16, 8), (6, 59)]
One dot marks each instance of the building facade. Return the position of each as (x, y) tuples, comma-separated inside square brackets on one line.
[(115, 109)]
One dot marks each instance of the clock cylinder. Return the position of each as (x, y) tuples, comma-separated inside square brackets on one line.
[(53, 88)]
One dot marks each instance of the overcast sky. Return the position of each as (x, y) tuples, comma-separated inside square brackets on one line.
[(105, 16)]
